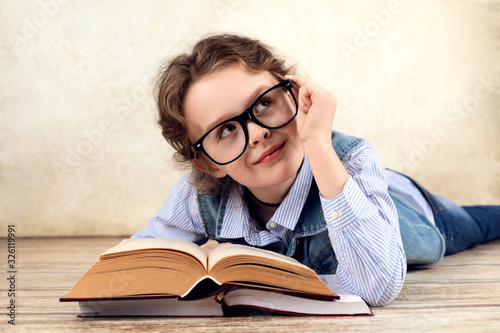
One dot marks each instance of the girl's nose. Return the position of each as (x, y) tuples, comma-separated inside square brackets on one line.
[(256, 133)]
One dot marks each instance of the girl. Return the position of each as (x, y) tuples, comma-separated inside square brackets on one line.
[(268, 171)]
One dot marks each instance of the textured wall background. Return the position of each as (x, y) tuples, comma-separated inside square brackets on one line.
[(80, 153)]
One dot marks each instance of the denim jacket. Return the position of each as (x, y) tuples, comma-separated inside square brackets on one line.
[(311, 245)]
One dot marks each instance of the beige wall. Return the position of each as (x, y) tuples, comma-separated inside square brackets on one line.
[(80, 153)]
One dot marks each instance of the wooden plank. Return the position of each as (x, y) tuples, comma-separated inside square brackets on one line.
[(460, 293), (483, 319)]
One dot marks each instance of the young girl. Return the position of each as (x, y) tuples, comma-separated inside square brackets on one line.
[(268, 171)]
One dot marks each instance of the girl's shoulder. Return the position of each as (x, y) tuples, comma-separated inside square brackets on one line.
[(344, 145), (355, 153), (183, 188)]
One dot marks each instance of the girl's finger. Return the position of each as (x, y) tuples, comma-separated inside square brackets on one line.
[(298, 80), (305, 101)]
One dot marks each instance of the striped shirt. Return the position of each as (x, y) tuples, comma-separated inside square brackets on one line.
[(362, 224)]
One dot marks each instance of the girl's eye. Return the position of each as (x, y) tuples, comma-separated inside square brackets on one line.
[(262, 105), (225, 131)]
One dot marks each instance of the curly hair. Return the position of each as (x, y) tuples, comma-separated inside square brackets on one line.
[(177, 75)]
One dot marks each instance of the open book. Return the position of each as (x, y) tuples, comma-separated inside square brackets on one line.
[(148, 277)]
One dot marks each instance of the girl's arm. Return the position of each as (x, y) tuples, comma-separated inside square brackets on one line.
[(363, 226), (361, 217)]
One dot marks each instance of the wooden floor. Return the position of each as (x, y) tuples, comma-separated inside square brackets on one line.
[(459, 294)]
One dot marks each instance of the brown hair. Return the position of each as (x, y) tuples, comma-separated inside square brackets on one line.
[(175, 78)]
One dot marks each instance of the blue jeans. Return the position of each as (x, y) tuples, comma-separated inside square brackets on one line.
[(463, 226)]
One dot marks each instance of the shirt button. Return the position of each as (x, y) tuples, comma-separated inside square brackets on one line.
[(272, 225), (334, 215)]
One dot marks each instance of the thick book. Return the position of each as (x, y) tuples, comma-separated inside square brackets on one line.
[(170, 277)]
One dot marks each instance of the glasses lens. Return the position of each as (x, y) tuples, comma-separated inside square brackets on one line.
[(225, 142), (276, 108)]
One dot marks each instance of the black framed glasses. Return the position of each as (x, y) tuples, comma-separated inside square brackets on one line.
[(227, 141)]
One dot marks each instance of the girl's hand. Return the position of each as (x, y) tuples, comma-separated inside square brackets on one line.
[(212, 245), (316, 111)]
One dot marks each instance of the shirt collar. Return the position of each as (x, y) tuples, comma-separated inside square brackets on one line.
[(288, 213), (237, 222)]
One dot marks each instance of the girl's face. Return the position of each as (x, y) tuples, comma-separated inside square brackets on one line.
[(272, 157)]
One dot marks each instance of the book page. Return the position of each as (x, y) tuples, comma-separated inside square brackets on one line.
[(294, 305), (348, 304), (171, 307), (159, 243), (236, 249)]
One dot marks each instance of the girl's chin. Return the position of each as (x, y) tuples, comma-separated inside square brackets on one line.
[(276, 179)]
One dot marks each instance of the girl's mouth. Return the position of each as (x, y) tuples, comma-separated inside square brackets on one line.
[(270, 154)]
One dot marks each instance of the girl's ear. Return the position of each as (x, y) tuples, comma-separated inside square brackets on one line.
[(204, 167)]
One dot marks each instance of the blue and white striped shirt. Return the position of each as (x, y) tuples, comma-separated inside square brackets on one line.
[(362, 224)]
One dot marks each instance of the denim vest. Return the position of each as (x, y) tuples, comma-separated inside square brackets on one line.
[(311, 245)]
